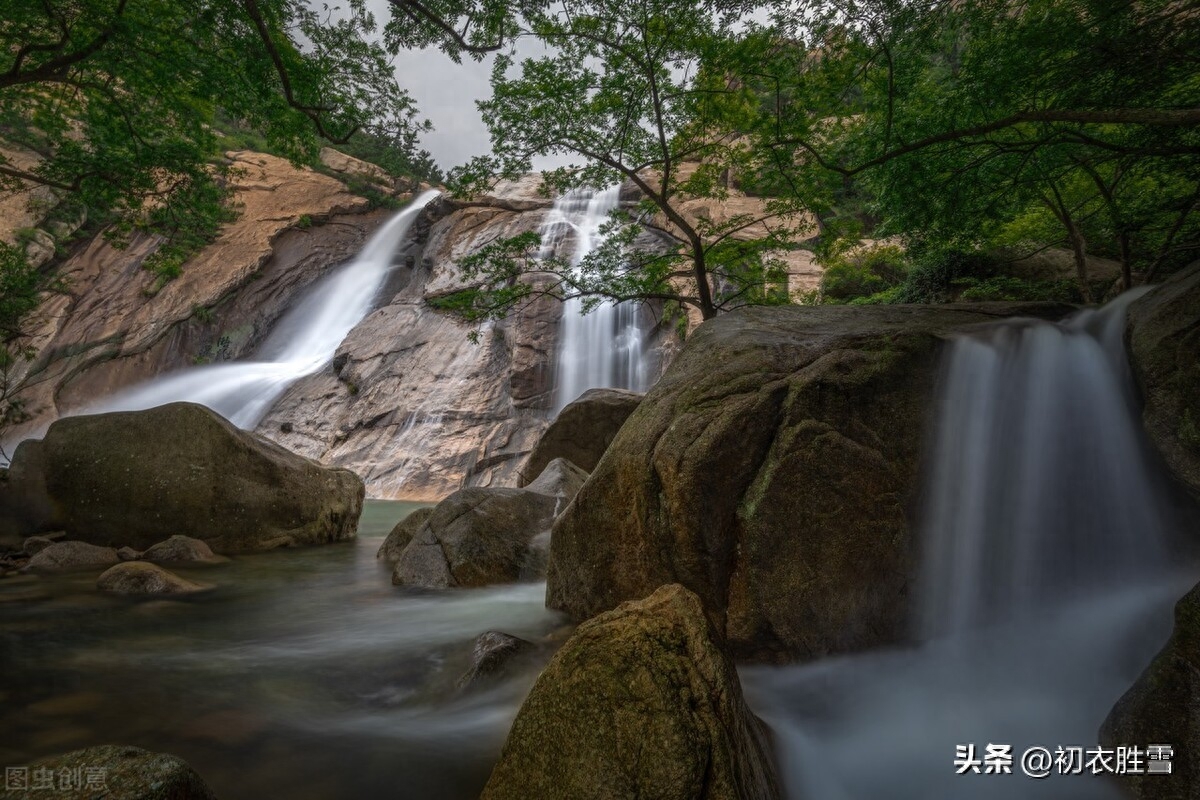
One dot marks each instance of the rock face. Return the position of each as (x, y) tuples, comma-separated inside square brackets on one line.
[(638, 703), (123, 773), (113, 327), (400, 535), (772, 471), (475, 537), (1164, 336), (130, 478), (582, 431), (1163, 707), (68, 556), (140, 578)]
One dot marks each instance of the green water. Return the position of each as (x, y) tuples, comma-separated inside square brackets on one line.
[(303, 674)]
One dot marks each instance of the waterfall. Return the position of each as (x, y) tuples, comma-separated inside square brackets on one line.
[(1045, 582), (305, 339), (602, 349)]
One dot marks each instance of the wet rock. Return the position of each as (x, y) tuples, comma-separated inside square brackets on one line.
[(119, 772), (142, 578), (640, 702), (773, 471), (582, 431), (1164, 338), (1163, 707), (69, 556), (182, 549), (402, 534), (561, 480), (124, 478), (128, 554), (494, 653), (475, 537), (35, 544)]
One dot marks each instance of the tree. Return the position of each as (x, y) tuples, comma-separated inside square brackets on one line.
[(960, 120), (636, 92)]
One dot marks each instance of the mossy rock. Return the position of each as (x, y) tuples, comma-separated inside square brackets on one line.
[(115, 772)]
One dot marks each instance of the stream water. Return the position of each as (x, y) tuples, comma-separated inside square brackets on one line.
[(304, 674), (1047, 583)]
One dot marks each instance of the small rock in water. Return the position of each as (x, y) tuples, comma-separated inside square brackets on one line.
[(119, 772), (494, 653), (64, 556), (128, 554), (180, 549), (141, 578), (35, 544)]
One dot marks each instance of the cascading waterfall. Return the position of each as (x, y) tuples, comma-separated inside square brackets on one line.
[(305, 339), (1045, 588), (602, 349)]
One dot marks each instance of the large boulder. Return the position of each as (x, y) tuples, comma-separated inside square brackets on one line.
[(1164, 338), (475, 537), (640, 702), (134, 478), (401, 534), (582, 431), (1163, 707), (772, 471), (114, 772)]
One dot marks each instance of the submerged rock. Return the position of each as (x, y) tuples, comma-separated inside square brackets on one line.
[(475, 537), (127, 478), (118, 772), (142, 578), (582, 431), (1164, 340), (402, 534), (183, 549), (494, 653), (68, 556), (772, 471), (640, 702)]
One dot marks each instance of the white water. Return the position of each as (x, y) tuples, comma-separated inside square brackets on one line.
[(604, 348), (1046, 585), (305, 340)]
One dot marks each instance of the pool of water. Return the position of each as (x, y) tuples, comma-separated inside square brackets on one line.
[(303, 673)]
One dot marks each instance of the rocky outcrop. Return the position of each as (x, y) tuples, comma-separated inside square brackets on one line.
[(772, 471), (131, 478), (1164, 340), (114, 326), (640, 702), (475, 537), (582, 431), (71, 556), (118, 772), (139, 578), (401, 534), (1163, 707)]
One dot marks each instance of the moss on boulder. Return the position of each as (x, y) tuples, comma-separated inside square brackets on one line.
[(640, 702)]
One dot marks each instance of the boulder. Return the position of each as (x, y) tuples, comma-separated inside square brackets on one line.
[(128, 554), (179, 549), (127, 478), (582, 431), (1163, 707), (119, 772), (142, 578), (402, 534), (561, 480), (640, 702), (493, 654), (68, 556), (1164, 339), (36, 544), (772, 470), (475, 537)]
